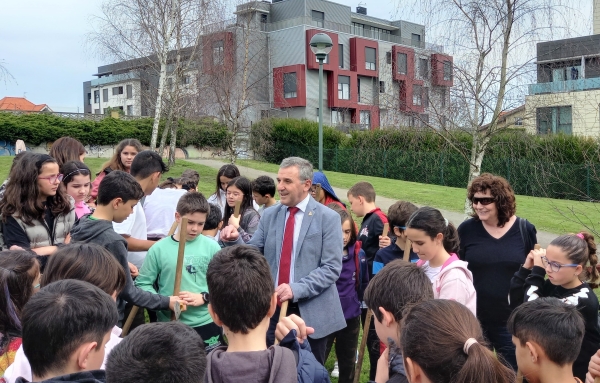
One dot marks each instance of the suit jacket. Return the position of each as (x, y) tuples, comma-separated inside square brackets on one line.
[(317, 264)]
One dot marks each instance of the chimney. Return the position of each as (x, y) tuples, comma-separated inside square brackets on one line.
[(596, 17), (363, 10)]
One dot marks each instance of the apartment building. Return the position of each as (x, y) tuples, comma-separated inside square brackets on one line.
[(379, 73)]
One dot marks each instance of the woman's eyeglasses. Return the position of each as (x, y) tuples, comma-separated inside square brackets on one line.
[(484, 201), (53, 179), (555, 266)]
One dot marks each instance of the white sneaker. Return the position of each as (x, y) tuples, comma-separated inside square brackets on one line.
[(336, 371)]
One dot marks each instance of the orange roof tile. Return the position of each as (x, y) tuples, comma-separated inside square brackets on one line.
[(21, 104)]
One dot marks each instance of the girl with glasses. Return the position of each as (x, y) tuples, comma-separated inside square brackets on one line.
[(77, 184), (570, 263), (240, 189), (495, 243), (37, 214)]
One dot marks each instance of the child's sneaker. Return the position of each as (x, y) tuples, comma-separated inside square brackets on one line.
[(336, 371)]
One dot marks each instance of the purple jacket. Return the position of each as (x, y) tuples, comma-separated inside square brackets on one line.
[(346, 285)]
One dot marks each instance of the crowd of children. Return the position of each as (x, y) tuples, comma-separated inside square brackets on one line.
[(82, 255)]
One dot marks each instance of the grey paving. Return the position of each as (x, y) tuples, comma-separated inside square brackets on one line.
[(544, 238)]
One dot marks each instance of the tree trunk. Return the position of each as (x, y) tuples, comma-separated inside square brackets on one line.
[(163, 139), (158, 107), (173, 146)]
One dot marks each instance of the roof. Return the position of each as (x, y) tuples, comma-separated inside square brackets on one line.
[(22, 104)]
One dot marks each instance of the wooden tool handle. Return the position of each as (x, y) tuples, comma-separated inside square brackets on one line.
[(180, 253), (363, 343), (386, 229), (236, 211), (129, 321), (407, 249), (173, 228), (537, 247), (597, 379), (282, 314)]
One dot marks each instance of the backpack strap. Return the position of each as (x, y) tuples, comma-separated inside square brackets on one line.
[(525, 235)]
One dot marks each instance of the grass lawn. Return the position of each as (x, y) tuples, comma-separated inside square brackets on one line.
[(552, 215)]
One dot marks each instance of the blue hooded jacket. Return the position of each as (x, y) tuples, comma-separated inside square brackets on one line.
[(320, 178)]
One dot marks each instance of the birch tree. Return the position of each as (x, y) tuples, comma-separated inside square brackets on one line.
[(493, 45)]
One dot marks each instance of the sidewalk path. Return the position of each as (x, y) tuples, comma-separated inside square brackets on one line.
[(544, 238)]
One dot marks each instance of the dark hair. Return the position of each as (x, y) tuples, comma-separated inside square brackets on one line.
[(158, 352), (118, 184), (363, 189), (74, 168), (581, 251), (191, 174), (86, 262), (66, 149), (500, 190), (213, 218), (61, 317), (432, 222), (187, 183), (18, 270), (192, 202), (264, 185), (168, 184), (18, 158), (239, 276), (398, 285), (22, 192), (556, 326), (243, 184), (399, 213), (345, 216), (433, 335), (230, 171), (115, 162), (147, 163)]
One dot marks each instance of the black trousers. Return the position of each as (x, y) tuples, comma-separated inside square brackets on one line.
[(212, 336), (318, 346), (346, 343), (372, 344)]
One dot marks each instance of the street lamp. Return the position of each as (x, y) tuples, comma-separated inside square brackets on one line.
[(320, 45)]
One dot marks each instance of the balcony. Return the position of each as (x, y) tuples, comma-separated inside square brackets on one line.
[(565, 86), (115, 78)]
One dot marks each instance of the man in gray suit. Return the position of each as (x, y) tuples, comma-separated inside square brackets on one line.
[(316, 253)]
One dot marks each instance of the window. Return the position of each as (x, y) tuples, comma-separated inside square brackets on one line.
[(566, 73), (424, 119), (105, 95), (426, 97), (402, 63), (554, 120), (381, 86), (358, 89), (447, 71), (130, 110), (388, 57), (344, 87), (218, 52), (365, 119), (443, 97), (341, 55), (263, 17), (358, 29), (117, 90), (170, 84), (415, 40), (105, 111), (96, 96), (96, 111), (370, 54), (89, 99), (337, 117), (424, 68), (317, 114), (264, 114), (417, 95), (186, 80), (129, 91), (518, 121), (318, 19), (290, 85)]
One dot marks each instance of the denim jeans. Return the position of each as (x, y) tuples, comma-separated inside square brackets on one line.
[(501, 340)]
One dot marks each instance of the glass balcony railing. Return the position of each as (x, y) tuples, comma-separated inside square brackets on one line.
[(565, 86), (113, 78)]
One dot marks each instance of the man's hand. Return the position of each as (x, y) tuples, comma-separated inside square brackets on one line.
[(229, 234), (191, 299), (383, 367), (594, 367), (235, 222), (173, 300), (284, 292), (384, 241), (133, 270), (293, 322)]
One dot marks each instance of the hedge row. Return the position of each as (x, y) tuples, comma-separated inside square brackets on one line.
[(38, 128)]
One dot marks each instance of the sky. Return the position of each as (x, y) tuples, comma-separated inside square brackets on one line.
[(43, 46)]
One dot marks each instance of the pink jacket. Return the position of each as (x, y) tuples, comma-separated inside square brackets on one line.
[(20, 366), (455, 282)]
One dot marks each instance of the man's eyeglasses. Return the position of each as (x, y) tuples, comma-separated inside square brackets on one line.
[(484, 201), (314, 189), (53, 179), (555, 266)]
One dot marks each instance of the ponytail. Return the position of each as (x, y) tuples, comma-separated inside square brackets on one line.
[(432, 222), (445, 339), (581, 249)]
